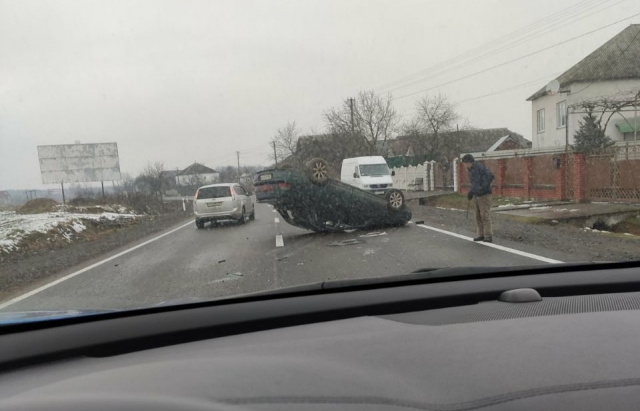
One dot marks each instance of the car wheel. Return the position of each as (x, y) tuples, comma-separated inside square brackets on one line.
[(199, 224), (252, 216), (395, 200), (242, 218), (318, 171)]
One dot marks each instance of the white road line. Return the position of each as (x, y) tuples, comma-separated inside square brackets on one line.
[(279, 241), (492, 245), (84, 270), (274, 211), (277, 220)]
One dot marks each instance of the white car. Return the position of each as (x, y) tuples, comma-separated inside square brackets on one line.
[(222, 202)]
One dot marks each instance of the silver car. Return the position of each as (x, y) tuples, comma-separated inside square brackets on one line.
[(222, 202)]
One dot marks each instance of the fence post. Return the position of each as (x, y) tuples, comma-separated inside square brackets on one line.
[(456, 176), (561, 176), (578, 177), (432, 177), (502, 167), (426, 171), (527, 168)]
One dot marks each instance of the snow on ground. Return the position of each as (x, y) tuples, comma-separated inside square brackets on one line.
[(13, 227)]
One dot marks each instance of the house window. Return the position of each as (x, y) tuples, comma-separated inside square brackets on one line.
[(561, 114), (541, 121)]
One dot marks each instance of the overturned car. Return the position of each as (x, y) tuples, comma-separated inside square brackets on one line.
[(309, 199)]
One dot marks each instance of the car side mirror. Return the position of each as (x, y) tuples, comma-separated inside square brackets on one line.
[(393, 173), (355, 175)]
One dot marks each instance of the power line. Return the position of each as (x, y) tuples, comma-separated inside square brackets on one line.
[(507, 89), (516, 42), (507, 37), (517, 58)]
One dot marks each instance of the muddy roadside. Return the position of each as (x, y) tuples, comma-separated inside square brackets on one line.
[(564, 237), (20, 270)]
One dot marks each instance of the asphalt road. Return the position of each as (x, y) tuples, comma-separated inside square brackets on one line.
[(235, 259)]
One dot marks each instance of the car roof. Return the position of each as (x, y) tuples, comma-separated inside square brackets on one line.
[(220, 185), (366, 160)]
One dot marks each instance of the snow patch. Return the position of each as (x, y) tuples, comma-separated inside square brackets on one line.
[(14, 227)]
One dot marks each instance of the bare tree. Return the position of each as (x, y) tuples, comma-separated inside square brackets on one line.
[(604, 108), (127, 184), (286, 143), (228, 174), (150, 179), (375, 120), (435, 118)]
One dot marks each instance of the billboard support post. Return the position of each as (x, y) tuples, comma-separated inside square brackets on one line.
[(102, 183), (64, 201)]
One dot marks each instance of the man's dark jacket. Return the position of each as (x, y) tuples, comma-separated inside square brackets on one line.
[(480, 178)]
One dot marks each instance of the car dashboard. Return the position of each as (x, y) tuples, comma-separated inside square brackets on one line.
[(442, 345)]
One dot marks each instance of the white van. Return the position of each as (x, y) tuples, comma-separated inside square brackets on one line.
[(367, 173)]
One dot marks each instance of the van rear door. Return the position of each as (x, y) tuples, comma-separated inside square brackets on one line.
[(216, 199)]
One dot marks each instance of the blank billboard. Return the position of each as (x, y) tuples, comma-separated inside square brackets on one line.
[(79, 163)]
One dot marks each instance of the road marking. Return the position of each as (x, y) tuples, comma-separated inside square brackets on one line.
[(496, 246), (274, 211), (84, 270), (279, 241), (277, 220)]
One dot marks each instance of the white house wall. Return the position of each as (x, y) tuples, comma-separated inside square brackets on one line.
[(578, 93)]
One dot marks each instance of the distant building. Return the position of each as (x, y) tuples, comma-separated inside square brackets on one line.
[(611, 71), (196, 174), (449, 145)]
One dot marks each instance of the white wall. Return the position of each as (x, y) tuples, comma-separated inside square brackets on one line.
[(578, 92)]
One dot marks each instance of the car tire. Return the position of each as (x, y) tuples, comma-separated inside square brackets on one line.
[(252, 216), (242, 218), (395, 199), (199, 224), (318, 171)]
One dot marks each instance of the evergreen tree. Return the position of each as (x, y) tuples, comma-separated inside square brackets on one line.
[(590, 137)]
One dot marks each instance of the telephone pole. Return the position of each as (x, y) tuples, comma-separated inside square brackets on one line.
[(351, 102), (238, 155), (275, 155)]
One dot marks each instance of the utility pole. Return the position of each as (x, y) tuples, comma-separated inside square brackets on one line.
[(238, 155), (275, 155), (351, 102)]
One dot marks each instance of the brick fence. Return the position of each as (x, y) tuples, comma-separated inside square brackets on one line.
[(561, 175)]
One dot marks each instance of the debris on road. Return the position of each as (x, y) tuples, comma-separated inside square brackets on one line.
[(373, 234), (238, 274), (222, 261), (344, 242), (420, 222)]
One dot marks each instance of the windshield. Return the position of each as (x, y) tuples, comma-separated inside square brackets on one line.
[(374, 170), (213, 192), (506, 134)]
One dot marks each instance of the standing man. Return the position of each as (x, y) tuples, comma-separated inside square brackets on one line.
[(480, 178)]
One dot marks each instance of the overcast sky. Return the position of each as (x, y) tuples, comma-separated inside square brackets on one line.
[(182, 81)]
